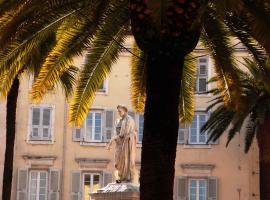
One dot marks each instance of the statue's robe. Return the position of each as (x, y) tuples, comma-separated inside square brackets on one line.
[(126, 141)]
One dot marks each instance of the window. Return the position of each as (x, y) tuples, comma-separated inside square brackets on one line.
[(97, 127), (140, 129), (41, 123), (197, 189), (93, 126), (195, 135), (91, 183), (38, 185), (202, 75), (103, 88)]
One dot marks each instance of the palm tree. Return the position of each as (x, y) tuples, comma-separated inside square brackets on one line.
[(31, 67), (165, 31), (253, 119)]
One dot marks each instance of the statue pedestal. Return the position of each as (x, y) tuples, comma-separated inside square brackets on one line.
[(117, 191)]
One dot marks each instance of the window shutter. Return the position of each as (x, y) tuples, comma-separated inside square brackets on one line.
[(46, 122), (54, 186), (22, 181), (107, 178), (35, 127), (132, 114), (76, 185), (203, 70), (108, 122), (182, 188), (181, 134), (77, 134), (212, 188), (202, 85)]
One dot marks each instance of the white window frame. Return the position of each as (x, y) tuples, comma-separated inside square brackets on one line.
[(197, 187), (197, 114), (92, 139), (199, 76), (51, 137), (92, 174), (37, 192)]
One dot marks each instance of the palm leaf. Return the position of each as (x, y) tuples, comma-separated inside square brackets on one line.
[(257, 17), (187, 101), (68, 81), (98, 66), (237, 123), (250, 132), (107, 46), (138, 79), (216, 40)]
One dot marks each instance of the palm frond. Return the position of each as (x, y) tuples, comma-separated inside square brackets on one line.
[(216, 118), (187, 101), (17, 49), (216, 39), (258, 19), (237, 124), (242, 32), (71, 41), (68, 81), (218, 123), (99, 62), (250, 132), (106, 47), (138, 79)]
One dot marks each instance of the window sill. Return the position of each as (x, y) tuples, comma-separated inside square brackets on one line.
[(197, 146), (40, 142), (99, 144), (105, 93), (202, 95)]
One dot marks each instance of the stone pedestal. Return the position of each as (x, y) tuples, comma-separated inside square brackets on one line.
[(117, 191)]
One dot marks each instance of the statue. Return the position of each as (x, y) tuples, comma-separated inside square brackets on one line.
[(125, 141)]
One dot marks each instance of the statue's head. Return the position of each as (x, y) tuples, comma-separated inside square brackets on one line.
[(122, 110)]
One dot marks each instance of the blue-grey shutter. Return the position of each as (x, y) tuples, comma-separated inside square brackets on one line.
[(132, 114), (108, 125), (46, 123), (107, 178), (181, 134), (77, 134), (212, 188), (76, 185), (182, 188), (54, 186), (36, 121), (22, 184)]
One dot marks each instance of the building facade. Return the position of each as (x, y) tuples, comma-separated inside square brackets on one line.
[(56, 161)]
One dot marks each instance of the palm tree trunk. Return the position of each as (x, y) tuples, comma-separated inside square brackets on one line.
[(160, 127), (10, 138), (264, 156)]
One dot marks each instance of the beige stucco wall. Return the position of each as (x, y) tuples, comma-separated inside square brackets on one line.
[(232, 167)]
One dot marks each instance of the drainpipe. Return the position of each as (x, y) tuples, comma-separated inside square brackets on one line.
[(64, 149)]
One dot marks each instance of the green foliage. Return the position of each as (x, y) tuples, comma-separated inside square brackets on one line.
[(187, 99), (138, 79), (257, 97)]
